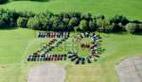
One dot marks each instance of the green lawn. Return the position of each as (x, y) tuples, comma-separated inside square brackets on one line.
[(117, 48), (13, 44), (72, 45), (129, 8), (16, 44)]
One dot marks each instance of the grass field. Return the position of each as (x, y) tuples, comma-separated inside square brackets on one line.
[(131, 8), (17, 43)]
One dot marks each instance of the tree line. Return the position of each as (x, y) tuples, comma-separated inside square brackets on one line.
[(5, 1), (68, 21)]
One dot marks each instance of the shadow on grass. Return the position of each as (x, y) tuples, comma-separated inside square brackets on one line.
[(3, 2), (8, 28), (31, 0), (41, 0), (140, 33), (117, 33), (8, 1)]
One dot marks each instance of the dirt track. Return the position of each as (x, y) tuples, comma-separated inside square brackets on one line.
[(130, 70), (47, 73)]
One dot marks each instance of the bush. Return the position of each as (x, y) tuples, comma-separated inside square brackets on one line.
[(116, 27), (92, 26), (132, 28), (140, 27), (2, 23), (34, 23), (3, 1), (119, 19), (72, 23), (87, 16), (68, 22), (22, 22), (83, 26), (103, 24), (31, 0), (118, 22)]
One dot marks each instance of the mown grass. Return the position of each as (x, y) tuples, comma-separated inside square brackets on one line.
[(131, 8), (13, 44), (118, 47), (16, 44)]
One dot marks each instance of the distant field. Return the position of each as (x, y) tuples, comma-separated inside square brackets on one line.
[(129, 8)]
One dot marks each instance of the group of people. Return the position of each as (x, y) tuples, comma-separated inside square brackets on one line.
[(43, 53), (94, 47), (46, 49), (47, 57), (85, 45), (74, 57), (44, 34)]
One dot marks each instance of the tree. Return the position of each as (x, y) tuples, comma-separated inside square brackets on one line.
[(83, 26), (75, 14), (116, 27), (66, 20), (62, 26), (22, 22), (132, 28), (55, 22), (4, 19), (140, 27), (87, 16), (34, 23), (3, 1), (72, 23), (92, 25), (2, 23), (119, 19), (103, 24)]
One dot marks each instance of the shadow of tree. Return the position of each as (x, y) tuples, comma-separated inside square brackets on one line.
[(32, 0), (8, 28), (3, 2)]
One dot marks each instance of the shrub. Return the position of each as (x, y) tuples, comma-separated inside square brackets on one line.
[(132, 28), (140, 27), (83, 26), (119, 19), (3, 1), (22, 22), (116, 27), (87, 16), (31, 0), (68, 22), (102, 24), (45, 24), (2, 23), (92, 26), (34, 23), (55, 22), (72, 23)]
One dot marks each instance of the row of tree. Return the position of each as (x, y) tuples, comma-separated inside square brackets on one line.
[(71, 21), (5, 1)]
